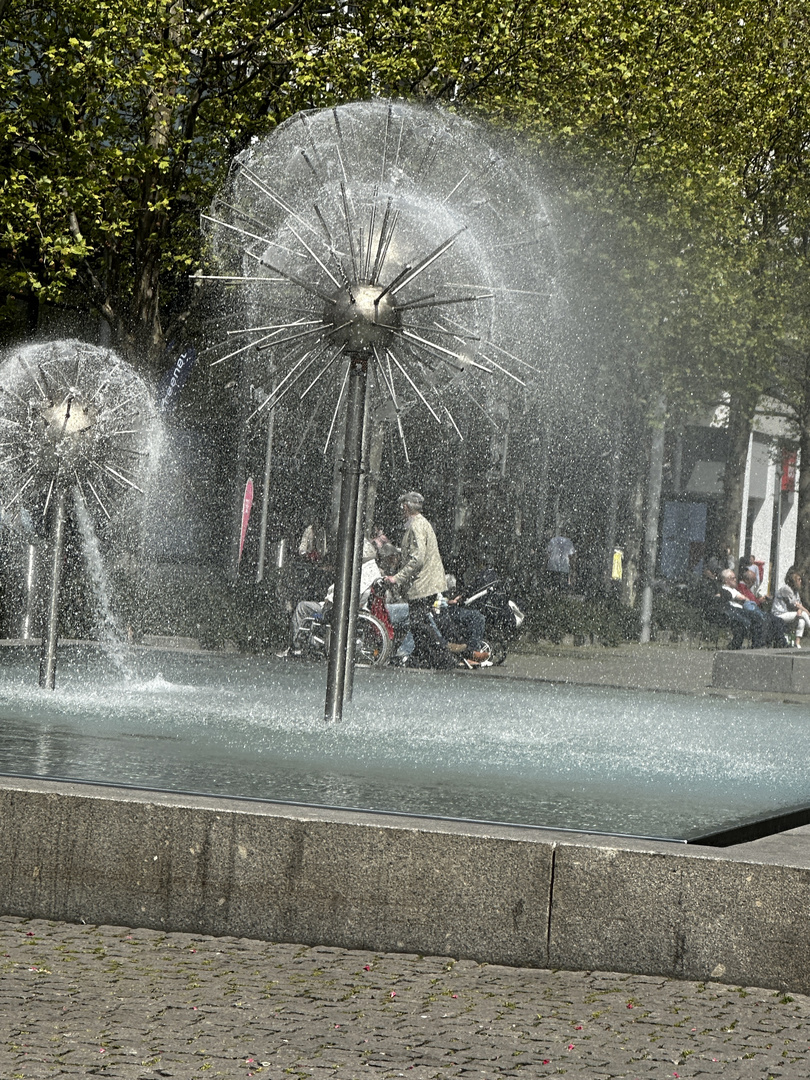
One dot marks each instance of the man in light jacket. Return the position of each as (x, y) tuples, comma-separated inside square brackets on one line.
[(420, 579)]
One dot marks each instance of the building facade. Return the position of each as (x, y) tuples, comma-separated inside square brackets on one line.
[(693, 491)]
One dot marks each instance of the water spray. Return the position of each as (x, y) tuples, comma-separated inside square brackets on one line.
[(386, 255), (74, 424)]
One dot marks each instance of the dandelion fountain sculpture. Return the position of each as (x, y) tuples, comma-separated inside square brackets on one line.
[(382, 258), (75, 423), (388, 252), (374, 255)]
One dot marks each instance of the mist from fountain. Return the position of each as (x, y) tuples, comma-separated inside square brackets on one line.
[(442, 223), (111, 635), (384, 258), (394, 230), (76, 422), (400, 233)]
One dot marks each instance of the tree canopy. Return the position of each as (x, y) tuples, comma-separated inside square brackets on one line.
[(119, 118), (674, 139)]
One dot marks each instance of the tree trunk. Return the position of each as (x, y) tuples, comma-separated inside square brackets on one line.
[(611, 524), (373, 464), (635, 528), (741, 415), (460, 508), (653, 509), (152, 233), (802, 557), (146, 329), (538, 510)]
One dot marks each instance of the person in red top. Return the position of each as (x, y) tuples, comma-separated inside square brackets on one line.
[(746, 586), (774, 628)]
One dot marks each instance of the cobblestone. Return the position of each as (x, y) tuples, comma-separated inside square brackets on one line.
[(88, 1001)]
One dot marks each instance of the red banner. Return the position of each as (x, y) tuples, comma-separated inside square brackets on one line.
[(247, 503), (788, 470)]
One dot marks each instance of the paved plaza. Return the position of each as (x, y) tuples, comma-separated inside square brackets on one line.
[(138, 1004)]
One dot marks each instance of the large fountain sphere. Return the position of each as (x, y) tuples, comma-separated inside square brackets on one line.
[(392, 230)]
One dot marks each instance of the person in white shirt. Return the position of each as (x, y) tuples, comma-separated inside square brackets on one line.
[(788, 605)]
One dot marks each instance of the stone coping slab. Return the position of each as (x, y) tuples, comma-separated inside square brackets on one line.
[(494, 894), (777, 671)]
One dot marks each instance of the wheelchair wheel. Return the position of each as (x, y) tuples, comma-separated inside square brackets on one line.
[(373, 645), (497, 650)]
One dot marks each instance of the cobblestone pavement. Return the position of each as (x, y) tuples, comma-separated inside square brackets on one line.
[(139, 1004)]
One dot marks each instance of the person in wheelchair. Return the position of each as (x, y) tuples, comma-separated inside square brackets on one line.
[(463, 627), (319, 609)]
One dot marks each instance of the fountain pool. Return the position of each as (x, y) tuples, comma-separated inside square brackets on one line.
[(564, 757)]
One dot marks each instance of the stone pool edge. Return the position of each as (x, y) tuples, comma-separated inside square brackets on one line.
[(494, 894)]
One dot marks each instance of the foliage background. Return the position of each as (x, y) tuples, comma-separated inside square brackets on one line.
[(672, 138)]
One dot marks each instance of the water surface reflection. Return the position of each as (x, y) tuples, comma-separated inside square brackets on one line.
[(468, 747)]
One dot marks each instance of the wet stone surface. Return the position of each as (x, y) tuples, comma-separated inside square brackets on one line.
[(139, 1004)]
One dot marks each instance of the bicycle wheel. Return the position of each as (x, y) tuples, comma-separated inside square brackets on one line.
[(373, 645)]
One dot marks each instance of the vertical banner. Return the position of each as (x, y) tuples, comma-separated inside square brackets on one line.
[(174, 381), (247, 503), (788, 470)]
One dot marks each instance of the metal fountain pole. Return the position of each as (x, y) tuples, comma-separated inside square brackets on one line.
[(359, 544), (28, 626), (47, 665), (268, 465), (343, 632)]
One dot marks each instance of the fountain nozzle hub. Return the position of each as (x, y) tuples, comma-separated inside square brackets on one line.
[(362, 316), (69, 417)]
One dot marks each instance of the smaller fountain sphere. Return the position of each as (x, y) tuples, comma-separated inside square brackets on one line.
[(73, 416)]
